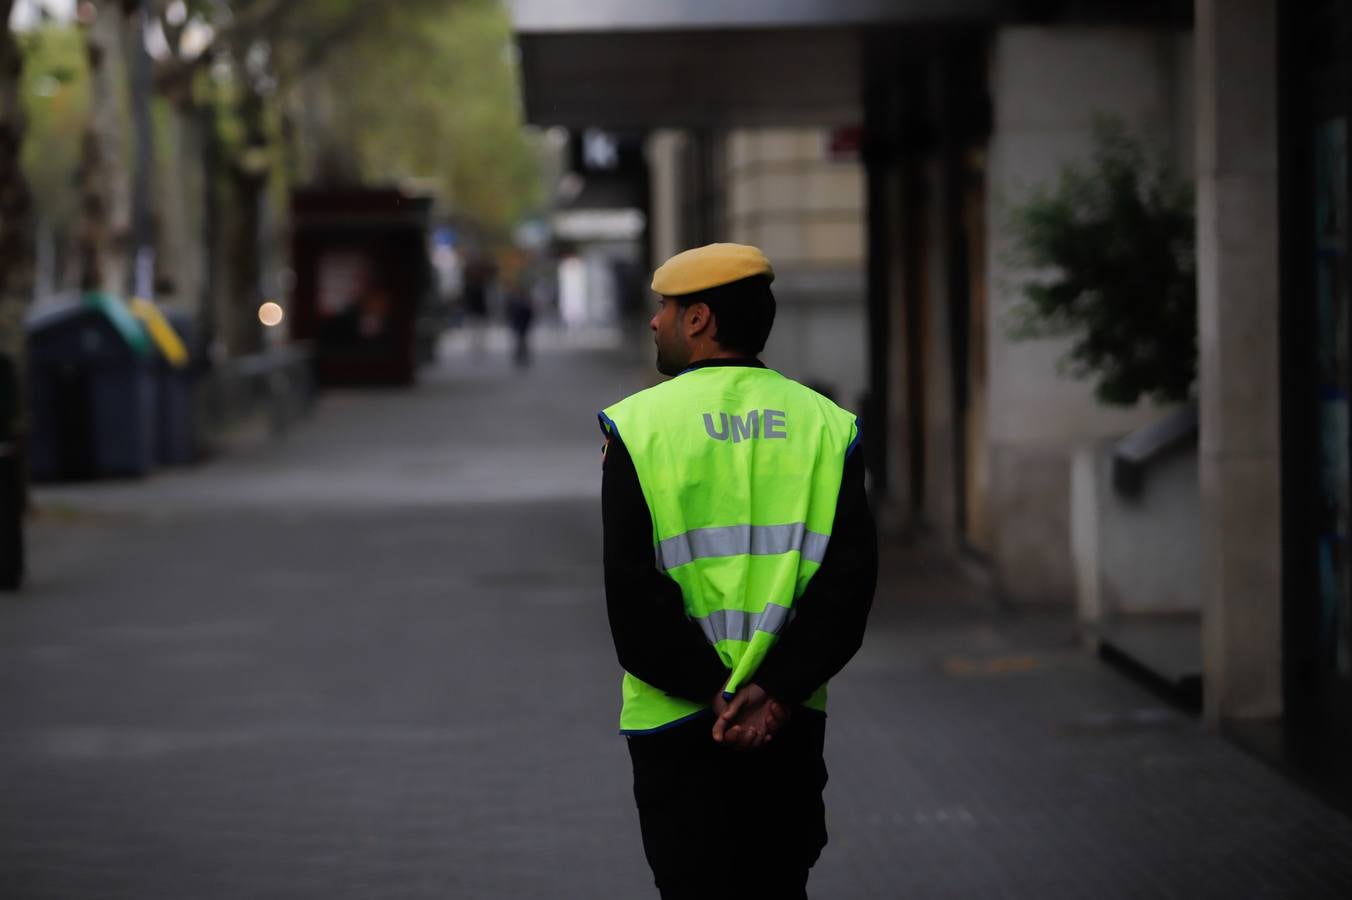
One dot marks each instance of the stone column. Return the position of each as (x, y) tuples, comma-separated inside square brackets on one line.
[(1238, 366)]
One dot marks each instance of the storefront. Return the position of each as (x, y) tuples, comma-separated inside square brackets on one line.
[(1316, 108)]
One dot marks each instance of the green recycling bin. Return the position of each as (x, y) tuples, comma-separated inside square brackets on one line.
[(92, 384)]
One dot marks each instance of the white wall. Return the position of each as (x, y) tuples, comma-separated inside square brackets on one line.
[(1136, 555), (1048, 87)]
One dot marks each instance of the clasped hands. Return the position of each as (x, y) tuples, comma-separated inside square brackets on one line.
[(749, 719)]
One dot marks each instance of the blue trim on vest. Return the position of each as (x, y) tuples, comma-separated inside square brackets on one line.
[(858, 434), (746, 362), (605, 420), (671, 724)]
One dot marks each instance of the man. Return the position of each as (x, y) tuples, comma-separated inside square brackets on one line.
[(740, 564)]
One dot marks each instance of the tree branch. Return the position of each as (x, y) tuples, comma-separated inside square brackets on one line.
[(260, 17), (319, 46)]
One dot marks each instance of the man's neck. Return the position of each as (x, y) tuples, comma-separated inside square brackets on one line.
[(717, 355), (715, 361)]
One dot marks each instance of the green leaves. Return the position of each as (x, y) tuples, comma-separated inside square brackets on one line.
[(1114, 246), (55, 92), (420, 89), (435, 97)]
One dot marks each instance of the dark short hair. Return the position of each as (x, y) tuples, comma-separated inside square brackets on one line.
[(744, 313)]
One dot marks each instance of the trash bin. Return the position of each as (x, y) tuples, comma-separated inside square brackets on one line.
[(11, 480), (92, 384), (174, 408), (188, 380)]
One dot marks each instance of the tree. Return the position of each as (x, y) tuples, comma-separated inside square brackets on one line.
[(55, 86), (301, 91), (16, 246), (220, 73), (458, 119), (16, 274), (1115, 249), (104, 233), (255, 95), (346, 91)]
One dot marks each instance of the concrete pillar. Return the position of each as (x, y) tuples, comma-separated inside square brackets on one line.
[(664, 163), (1239, 372), (941, 448)]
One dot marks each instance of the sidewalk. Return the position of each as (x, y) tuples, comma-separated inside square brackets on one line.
[(372, 661), (981, 754)]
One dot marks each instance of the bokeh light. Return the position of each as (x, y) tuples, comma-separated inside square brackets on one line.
[(271, 314)]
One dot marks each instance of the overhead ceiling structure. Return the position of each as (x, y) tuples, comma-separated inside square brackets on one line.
[(707, 63), (691, 79), (557, 16), (636, 64)]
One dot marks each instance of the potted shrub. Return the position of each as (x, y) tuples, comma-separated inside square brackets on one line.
[(1112, 252)]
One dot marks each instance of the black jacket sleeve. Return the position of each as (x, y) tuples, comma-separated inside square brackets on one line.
[(654, 639), (829, 618)]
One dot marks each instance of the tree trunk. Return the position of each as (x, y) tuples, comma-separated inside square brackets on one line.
[(142, 200), (16, 210), (209, 307), (105, 183), (246, 179), (179, 191), (16, 288)]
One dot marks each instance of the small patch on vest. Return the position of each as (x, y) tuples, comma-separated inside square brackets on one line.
[(764, 423)]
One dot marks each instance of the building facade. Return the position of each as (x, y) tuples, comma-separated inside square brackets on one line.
[(972, 435), (798, 194)]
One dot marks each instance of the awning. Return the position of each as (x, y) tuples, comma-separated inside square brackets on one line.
[(572, 16), (691, 79), (707, 63), (639, 64)]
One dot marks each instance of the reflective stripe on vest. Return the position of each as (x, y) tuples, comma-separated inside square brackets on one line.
[(740, 468), (731, 540), (735, 625)]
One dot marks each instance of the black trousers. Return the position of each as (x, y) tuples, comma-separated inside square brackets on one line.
[(721, 823)]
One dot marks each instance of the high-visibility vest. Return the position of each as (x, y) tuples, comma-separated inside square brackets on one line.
[(741, 470)]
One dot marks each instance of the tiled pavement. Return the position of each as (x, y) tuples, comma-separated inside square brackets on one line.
[(372, 662)]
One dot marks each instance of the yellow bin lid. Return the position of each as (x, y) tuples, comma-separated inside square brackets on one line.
[(163, 335)]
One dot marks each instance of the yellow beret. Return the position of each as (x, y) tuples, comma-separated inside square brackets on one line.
[(709, 266)]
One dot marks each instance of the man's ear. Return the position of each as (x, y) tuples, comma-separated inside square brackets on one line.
[(698, 318)]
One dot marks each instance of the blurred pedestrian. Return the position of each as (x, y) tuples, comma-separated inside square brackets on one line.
[(478, 281), (520, 316), (740, 565)]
